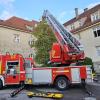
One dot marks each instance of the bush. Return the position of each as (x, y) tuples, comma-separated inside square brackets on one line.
[(88, 61)]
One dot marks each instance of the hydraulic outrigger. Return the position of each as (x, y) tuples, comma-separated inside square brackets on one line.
[(53, 95), (15, 92)]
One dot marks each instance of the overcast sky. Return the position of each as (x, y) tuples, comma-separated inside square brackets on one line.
[(63, 10)]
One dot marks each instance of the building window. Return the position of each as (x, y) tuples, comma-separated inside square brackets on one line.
[(31, 41), (31, 55), (16, 38), (96, 31), (72, 27), (29, 27), (95, 16), (98, 50)]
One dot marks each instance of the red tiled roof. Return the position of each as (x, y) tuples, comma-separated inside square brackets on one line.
[(18, 23), (86, 14)]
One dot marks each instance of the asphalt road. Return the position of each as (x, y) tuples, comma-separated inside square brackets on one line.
[(75, 92)]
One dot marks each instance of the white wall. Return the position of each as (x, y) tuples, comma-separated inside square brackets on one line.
[(7, 43), (90, 42)]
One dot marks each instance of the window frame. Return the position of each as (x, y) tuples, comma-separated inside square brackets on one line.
[(96, 31), (72, 26), (80, 23), (98, 50), (17, 38), (30, 28), (31, 41), (95, 16)]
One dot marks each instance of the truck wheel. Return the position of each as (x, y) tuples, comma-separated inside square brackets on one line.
[(62, 83), (1, 84)]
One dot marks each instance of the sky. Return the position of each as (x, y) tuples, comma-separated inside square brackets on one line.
[(63, 10)]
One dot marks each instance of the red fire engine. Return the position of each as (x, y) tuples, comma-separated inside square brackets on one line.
[(14, 69)]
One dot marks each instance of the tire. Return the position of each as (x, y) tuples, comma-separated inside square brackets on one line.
[(1, 84), (62, 83)]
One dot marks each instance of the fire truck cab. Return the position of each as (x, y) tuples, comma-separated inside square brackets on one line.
[(12, 70)]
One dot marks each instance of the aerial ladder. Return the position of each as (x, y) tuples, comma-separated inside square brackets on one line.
[(68, 49)]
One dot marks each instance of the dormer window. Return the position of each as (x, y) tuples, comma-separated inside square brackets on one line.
[(29, 27), (72, 27), (80, 23), (95, 16)]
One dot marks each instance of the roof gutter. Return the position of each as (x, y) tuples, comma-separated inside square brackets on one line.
[(14, 28)]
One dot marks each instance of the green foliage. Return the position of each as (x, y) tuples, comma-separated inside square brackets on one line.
[(88, 61), (45, 38)]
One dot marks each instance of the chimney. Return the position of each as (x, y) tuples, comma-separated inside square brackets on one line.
[(76, 12), (85, 9)]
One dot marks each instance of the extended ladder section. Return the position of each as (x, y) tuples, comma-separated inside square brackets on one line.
[(62, 35)]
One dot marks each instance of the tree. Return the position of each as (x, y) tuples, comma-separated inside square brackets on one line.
[(45, 38)]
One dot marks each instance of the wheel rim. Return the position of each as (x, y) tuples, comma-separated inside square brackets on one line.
[(62, 84)]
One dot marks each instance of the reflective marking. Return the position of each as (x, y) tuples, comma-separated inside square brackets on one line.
[(22, 71), (61, 71)]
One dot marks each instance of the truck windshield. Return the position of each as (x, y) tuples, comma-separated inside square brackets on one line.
[(27, 64), (12, 67), (14, 63)]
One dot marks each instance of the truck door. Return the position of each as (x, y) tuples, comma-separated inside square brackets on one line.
[(42, 76), (75, 74), (12, 72)]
